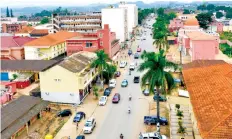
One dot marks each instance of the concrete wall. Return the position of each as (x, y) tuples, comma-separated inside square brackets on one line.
[(17, 53)]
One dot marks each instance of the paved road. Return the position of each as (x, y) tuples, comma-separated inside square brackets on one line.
[(116, 118)]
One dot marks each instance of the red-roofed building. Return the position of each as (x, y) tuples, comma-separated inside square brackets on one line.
[(12, 47), (103, 39), (175, 24), (31, 32)]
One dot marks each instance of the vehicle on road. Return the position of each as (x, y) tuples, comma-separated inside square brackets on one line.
[(124, 83), (112, 83), (161, 98), (89, 126), (136, 79), (107, 92), (123, 64), (80, 137), (144, 38), (117, 74), (146, 92), (102, 101), (139, 49), (152, 135), (78, 116), (65, 112), (129, 52), (116, 98), (132, 66), (152, 120), (136, 56)]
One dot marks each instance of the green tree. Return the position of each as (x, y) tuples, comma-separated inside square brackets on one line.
[(95, 91), (160, 12), (219, 14), (101, 63), (44, 20), (181, 130), (11, 13), (186, 11), (171, 15), (204, 20), (202, 7), (154, 65), (210, 7), (7, 12), (229, 14), (111, 69)]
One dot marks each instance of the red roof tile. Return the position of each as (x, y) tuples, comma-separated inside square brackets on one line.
[(25, 29), (210, 90), (13, 41), (40, 31)]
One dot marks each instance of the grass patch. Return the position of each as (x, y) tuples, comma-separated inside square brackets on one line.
[(226, 36), (226, 49)]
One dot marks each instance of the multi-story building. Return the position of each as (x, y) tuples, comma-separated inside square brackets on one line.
[(47, 47), (74, 82), (7, 20), (83, 23), (175, 24), (132, 16), (103, 39), (11, 28), (116, 18)]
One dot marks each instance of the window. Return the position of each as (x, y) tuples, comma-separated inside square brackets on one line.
[(101, 43), (89, 44), (100, 35), (57, 80)]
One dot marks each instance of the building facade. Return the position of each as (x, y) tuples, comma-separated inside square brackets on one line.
[(74, 84), (11, 28), (175, 24), (83, 23), (117, 19), (103, 39), (47, 47)]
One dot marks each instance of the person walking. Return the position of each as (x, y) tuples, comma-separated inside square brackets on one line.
[(84, 115), (77, 125)]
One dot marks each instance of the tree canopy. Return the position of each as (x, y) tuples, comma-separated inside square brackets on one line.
[(219, 14), (204, 20), (142, 14), (160, 12), (44, 20), (186, 11), (7, 12), (210, 7)]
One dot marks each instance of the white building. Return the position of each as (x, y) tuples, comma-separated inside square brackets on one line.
[(117, 20), (49, 27), (132, 15)]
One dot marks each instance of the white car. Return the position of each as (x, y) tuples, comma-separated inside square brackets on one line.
[(112, 83), (89, 125), (132, 66), (153, 135), (102, 101), (123, 64)]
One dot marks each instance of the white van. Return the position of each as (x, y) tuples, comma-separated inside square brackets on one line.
[(152, 135)]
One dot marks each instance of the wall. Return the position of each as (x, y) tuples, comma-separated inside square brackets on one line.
[(204, 49), (31, 53), (59, 87), (175, 24), (17, 53), (227, 28), (22, 34), (115, 17)]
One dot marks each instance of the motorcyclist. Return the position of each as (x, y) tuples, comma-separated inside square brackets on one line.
[(121, 136), (130, 96), (129, 109), (129, 72)]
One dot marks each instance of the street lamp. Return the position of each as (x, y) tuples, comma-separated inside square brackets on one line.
[(148, 104), (180, 50)]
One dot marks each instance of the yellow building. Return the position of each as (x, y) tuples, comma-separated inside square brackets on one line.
[(47, 47), (70, 80)]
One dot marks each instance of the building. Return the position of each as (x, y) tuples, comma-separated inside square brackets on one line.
[(116, 18), (47, 47), (7, 20), (191, 23), (132, 16), (175, 24), (199, 45), (12, 47), (227, 25), (209, 83), (11, 28), (8, 89), (48, 27), (24, 32), (185, 17), (73, 85), (83, 22), (103, 39), (18, 115), (32, 32)]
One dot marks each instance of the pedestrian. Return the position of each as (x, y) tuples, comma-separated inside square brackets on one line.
[(84, 115), (77, 125), (69, 137)]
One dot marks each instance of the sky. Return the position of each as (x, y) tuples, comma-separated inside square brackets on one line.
[(31, 3)]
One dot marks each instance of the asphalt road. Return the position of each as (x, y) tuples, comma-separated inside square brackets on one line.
[(116, 117)]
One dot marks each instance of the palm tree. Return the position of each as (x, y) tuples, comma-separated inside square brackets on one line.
[(101, 63), (154, 65), (162, 43)]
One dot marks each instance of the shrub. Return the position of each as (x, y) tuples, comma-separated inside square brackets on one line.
[(180, 114), (178, 106)]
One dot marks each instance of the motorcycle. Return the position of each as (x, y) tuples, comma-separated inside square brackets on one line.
[(129, 110), (130, 97), (121, 136), (129, 72)]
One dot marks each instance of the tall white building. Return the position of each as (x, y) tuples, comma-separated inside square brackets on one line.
[(117, 20), (132, 15)]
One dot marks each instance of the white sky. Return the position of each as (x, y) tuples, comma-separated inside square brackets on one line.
[(30, 3)]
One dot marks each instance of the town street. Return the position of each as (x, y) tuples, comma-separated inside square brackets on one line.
[(117, 120)]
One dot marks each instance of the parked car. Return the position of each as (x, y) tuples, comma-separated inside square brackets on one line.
[(80, 137), (139, 49), (112, 83), (136, 56), (146, 92), (123, 64), (152, 120), (102, 100), (116, 98), (117, 74), (124, 83), (161, 98), (132, 66), (136, 79), (65, 112), (107, 92), (89, 125), (129, 52), (153, 135), (78, 116)]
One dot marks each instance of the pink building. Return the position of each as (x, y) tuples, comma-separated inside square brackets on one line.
[(175, 24), (8, 89), (12, 47), (199, 45), (102, 39)]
